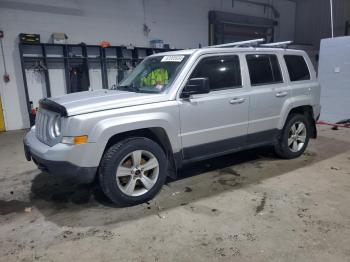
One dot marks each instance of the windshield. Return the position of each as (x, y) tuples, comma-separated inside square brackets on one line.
[(154, 74)]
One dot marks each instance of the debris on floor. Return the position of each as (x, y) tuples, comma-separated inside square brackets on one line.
[(261, 205), (28, 209), (188, 189), (161, 216)]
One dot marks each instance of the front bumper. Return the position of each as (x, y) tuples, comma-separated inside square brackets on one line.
[(56, 161)]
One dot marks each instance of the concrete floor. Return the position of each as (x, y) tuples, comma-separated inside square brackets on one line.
[(248, 206)]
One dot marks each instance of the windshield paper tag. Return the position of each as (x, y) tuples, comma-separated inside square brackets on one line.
[(172, 58)]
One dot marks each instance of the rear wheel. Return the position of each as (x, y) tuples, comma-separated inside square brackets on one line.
[(294, 138), (133, 171)]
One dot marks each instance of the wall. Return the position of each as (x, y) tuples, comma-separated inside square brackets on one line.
[(182, 23), (314, 23)]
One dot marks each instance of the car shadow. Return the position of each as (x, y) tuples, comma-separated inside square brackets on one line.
[(68, 204), (60, 191)]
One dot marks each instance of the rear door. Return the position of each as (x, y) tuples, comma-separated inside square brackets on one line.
[(216, 122), (267, 97)]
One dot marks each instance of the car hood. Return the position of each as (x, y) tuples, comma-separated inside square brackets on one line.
[(92, 101)]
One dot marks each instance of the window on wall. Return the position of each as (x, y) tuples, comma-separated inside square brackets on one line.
[(222, 71), (264, 69), (297, 68)]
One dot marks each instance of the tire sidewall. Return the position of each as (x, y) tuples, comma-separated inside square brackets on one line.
[(110, 165)]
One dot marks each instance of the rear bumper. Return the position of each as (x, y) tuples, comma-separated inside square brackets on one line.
[(60, 168)]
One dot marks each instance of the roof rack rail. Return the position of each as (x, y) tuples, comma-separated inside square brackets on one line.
[(277, 44), (254, 42)]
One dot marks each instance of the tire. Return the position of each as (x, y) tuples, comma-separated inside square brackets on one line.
[(135, 163), (284, 148)]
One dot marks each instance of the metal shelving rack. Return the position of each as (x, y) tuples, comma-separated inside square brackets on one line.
[(45, 54)]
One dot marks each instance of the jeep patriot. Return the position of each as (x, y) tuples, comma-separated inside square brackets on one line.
[(174, 108)]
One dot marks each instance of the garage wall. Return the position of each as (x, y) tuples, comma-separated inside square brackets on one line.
[(313, 20), (182, 23)]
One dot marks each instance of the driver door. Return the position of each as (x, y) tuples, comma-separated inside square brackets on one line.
[(216, 122)]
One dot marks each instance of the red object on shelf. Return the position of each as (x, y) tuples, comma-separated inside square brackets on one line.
[(34, 110), (105, 44)]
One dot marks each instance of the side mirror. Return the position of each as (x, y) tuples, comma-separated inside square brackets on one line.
[(196, 86)]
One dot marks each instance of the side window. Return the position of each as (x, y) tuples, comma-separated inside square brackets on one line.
[(297, 68), (223, 72), (264, 69)]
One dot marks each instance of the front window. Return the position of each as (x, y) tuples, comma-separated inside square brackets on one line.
[(223, 72), (154, 74)]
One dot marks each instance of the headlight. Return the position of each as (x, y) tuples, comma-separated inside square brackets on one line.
[(56, 127)]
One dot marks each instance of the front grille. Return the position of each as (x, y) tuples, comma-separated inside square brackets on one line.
[(43, 127), (43, 124)]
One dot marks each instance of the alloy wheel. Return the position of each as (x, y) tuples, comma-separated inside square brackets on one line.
[(297, 137), (137, 173)]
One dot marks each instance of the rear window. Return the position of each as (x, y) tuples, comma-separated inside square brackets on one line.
[(264, 69), (297, 68)]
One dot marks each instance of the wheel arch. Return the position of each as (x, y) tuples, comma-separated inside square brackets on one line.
[(307, 111), (156, 134)]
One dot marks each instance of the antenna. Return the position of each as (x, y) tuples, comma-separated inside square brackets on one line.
[(278, 44), (238, 44)]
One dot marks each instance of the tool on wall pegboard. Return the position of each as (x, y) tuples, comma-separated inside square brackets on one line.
[(145, 27), (6, 76)]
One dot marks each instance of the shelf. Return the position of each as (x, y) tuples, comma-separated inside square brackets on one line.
[(89, 59), (51, 55), (34, 56)]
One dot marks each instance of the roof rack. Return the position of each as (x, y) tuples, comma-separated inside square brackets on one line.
[(254, 42), (277, 44)]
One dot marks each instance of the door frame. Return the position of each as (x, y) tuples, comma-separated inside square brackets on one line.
[(267, 136), (243, 89)]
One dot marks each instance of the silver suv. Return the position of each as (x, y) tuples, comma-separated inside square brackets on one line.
[(175, 108)]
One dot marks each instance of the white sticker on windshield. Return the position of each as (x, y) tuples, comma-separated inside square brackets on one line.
[(172, 58)]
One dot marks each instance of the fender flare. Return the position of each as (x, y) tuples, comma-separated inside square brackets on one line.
[(289, 105), (105, 129)]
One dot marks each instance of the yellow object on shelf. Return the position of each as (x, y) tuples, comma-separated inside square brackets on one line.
[(2, 120)]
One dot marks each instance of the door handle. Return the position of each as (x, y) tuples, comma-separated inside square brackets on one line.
[(281, 94), (237, 100)]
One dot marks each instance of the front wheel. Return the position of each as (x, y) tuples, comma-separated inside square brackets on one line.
[(133, 171), (294, 137)]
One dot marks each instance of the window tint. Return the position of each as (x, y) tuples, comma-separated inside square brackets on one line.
[(297, 68), (223, 72), (264, 69)]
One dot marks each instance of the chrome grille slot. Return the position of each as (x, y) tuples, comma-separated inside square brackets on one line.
[(45, 129), (38, 125)]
